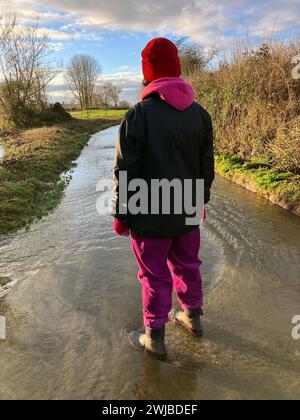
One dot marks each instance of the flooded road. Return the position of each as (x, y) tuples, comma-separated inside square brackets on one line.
[(74, 294)]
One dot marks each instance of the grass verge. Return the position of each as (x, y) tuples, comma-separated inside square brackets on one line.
[(280, 188), (30, 183), (98, 113)]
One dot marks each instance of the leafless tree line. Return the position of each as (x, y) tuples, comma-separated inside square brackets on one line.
[(25, 70), (83, 77)]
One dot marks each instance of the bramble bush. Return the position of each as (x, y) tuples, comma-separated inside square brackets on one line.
[(255, 104)]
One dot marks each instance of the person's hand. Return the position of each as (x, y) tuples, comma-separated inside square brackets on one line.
[(121, 228), (204, 215)]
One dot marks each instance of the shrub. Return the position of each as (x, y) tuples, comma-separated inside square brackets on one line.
[(54, 115), (285, 150), (255, 105)]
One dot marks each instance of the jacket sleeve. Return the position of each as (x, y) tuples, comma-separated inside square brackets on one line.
[(129, 149), (208, 163)]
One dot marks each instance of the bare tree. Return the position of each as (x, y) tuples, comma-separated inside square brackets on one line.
[(193, 56), (24, 67), (105, 92), (115, 94), (110, 94), (82, 75), (7, 23)]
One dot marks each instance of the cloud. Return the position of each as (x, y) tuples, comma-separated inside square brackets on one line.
[(121, 75), (126, 67), (32, 10), (128, 81), (65, 35), (212, 22), (57, 46), (276, 21), (54, 34)]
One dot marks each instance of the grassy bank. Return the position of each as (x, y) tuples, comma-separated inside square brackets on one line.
[(282, 188), (98, 113), (30, 184), (254, 100)]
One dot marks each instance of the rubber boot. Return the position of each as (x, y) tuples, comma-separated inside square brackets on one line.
[(188, 319), (152, 341)]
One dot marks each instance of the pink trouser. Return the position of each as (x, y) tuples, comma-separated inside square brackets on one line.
[(166, 264)]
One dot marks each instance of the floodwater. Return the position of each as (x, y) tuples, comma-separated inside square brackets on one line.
[(74, 295)]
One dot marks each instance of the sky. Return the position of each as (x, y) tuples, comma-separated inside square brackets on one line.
[(116, 31)]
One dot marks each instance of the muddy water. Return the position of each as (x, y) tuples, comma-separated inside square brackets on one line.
[(74, 294)]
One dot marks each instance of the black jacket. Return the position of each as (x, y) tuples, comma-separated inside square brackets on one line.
[(158, 142)]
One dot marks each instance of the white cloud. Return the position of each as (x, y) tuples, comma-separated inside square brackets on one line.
[(211, 22), (276, 21), (127, 67), (128, 81), (121, 75), (32, 10), (214, 22), (63, 35), (57, 46)]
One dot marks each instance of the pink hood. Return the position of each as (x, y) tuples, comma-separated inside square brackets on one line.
[(173, 90)]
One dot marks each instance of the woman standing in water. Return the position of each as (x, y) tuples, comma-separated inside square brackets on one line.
[(166, 136)]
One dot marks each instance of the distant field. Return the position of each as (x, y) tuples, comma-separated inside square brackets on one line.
[(95, 114)]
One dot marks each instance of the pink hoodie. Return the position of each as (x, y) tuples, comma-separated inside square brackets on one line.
[(173, 90)]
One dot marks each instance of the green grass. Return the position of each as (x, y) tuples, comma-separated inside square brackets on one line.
[(284, 187), (95, 114), (30, 184)]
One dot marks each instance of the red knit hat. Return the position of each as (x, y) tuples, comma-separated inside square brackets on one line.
[(160, 59)]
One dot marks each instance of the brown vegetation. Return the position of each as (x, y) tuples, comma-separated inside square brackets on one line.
[(255, 104)]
